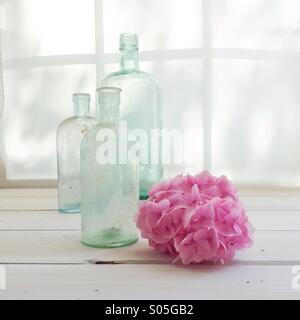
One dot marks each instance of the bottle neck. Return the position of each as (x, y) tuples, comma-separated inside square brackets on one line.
[(129, 60), (108, 101), (81, 108)]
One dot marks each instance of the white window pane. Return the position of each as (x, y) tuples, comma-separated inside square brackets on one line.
[(256, 121), (38, 100), (168, 24), (257, 24), (181, 84), (48, 27)]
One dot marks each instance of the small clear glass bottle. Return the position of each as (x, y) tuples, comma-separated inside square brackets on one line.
[(140, 108), (110, 190), (69, 137)]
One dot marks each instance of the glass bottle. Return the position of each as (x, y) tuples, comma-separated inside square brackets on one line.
[(109, 188), (140, 108), (69, 137)]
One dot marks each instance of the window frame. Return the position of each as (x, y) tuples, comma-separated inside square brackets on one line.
[(207, 54)]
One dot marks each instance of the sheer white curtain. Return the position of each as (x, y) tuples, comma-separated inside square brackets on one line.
[(228, 68)]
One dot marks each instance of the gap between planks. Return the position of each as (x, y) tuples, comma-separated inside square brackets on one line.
[(155, 262)]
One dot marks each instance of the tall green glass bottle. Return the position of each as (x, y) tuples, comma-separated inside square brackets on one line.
[(140, 109)]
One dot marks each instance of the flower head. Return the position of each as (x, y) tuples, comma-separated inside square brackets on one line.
[(195, 219)]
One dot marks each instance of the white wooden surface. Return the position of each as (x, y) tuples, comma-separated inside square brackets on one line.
[(44, 259)]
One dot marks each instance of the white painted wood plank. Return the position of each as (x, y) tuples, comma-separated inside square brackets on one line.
[(28, 203), (28, 199), (149, 282), (28, 193), (39, 220), (46, 199), (65, 247), (275, 220), (53, 220), (271, 203)]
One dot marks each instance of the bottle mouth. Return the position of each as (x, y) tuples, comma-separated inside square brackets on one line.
[(129, 41)]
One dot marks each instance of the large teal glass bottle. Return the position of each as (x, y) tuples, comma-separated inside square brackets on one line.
[(69, 137), (140, 108), (110, 189)]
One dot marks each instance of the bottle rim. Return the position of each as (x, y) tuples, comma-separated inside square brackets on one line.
[(129, 41), (81, 94)]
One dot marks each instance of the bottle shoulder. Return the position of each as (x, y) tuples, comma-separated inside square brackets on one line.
[(100, 126), (76, 123), (77, 120), (120, 77)]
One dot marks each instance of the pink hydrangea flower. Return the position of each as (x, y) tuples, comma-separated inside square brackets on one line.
[(195, 219)]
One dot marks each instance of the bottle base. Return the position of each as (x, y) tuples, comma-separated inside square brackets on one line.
[(111, 238), (111, 245), (143, 195), (74, 209)]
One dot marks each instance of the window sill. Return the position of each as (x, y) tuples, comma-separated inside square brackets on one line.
[(40, 244)]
